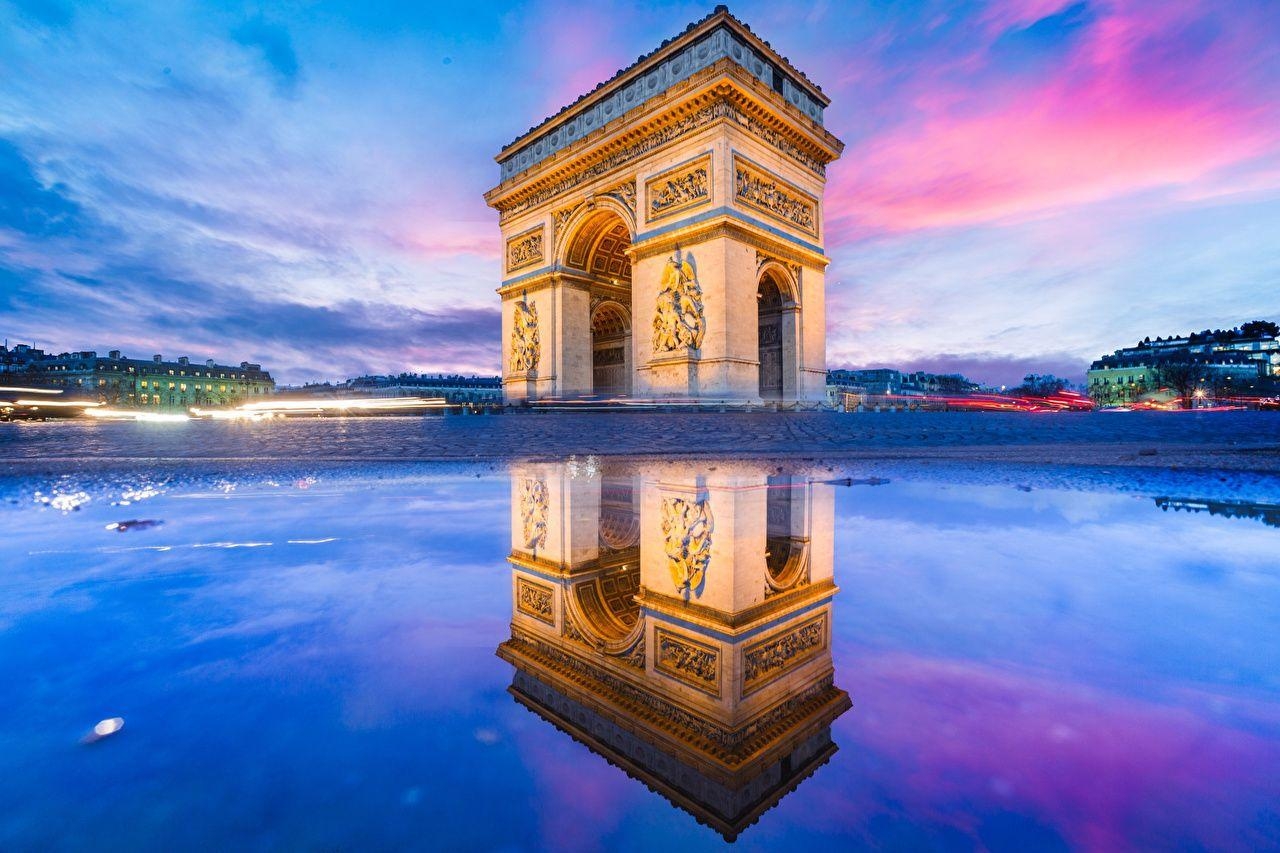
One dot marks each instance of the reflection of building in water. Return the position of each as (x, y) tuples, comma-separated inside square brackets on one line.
[(679, 624), (1266, 513)]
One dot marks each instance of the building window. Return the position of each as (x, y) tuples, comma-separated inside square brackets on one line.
[(171, 384), (183, 387)]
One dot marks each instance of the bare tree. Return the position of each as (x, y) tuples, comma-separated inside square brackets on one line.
[(1181, 377)]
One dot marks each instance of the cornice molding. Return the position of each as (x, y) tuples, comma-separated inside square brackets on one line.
[(729, 226), (734, 625), (722, 89), (718, 37)]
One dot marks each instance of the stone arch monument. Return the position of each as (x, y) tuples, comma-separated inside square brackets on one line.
[(663, 235)]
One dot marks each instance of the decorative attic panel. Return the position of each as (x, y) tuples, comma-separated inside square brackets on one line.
[(727, 38)]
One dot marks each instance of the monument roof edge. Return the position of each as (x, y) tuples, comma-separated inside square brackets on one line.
[(718, 17)]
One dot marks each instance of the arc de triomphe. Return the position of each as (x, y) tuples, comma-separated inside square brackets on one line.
[(663, 234)]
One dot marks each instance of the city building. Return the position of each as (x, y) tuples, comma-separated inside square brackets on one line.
[(1204, 365), (122, 382), (1267, 513), (852, 390), (453, 388), (664, 234)]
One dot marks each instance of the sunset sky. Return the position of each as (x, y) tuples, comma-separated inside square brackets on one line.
[(1027, 184)]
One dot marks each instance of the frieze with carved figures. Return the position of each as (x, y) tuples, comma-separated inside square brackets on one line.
[(718, 109), (761, 190), (727, 745), (773, 657), (677, 189), (688, 661), (535, 599)]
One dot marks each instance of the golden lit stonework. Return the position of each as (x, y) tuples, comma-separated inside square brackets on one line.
[(714, 145), (678, 320), (722, 702), (686, 532), (526, 344)]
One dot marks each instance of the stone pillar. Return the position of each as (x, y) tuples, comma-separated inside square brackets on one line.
[(572, 335), (566, 508), (725, 366), (812, 339), (792, 355)]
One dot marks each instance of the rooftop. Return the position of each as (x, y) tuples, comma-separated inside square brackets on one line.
[(717, 36)]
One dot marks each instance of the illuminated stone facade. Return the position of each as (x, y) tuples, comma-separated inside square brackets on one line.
[(713, 686), (135, 383), (663, 235)]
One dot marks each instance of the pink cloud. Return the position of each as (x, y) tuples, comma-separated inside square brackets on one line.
[(575, 49), (1142, 100), (947, 742), (580, 802)]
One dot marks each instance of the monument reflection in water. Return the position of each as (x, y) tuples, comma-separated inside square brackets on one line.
[(676, 619)]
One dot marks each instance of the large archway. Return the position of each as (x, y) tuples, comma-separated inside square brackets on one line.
[(603, 604), (599, 251)]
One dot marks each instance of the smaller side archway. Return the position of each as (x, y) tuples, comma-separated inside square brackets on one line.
[(778, 334), (610, 350)]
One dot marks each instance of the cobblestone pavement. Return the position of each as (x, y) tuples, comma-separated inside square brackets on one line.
[(1235, 440)]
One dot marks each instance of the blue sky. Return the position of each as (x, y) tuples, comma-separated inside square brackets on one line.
[(1027, 183)]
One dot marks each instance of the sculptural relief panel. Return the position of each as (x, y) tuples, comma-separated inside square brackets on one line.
[(679, 188), (526, 249), (768, 659), (535, 599), (526, 343), (678, 321), (757, 188), (534, 506), (687, 660), (686, 533)]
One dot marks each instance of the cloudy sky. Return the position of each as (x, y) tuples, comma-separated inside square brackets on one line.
[(1027, 183)]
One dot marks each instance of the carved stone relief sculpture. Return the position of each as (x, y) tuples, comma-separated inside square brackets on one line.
[(626, 193), (533, 513), (686, 532), (758, 189), (678, 189), (559, 220), (772, 657), (679, 320), (535, 599), (526, 348), (525, 249), (687, 660)]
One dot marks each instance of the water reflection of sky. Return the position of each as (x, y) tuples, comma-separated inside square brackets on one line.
[(1029, 669)]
